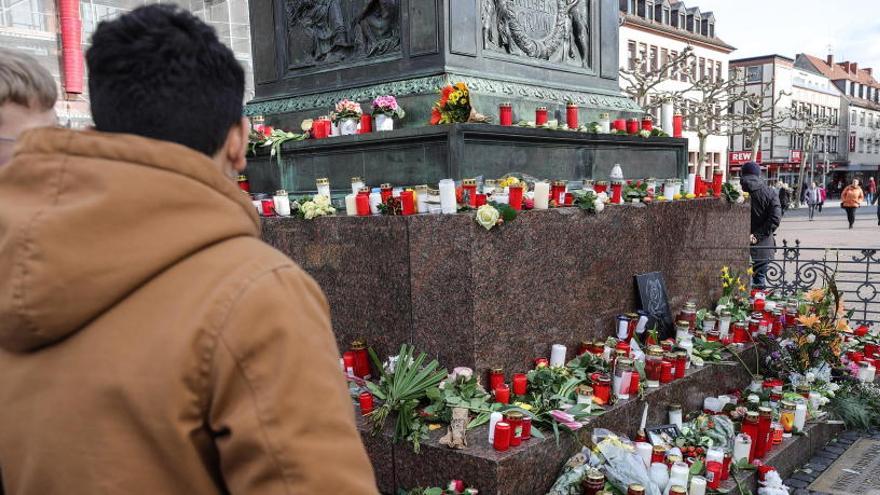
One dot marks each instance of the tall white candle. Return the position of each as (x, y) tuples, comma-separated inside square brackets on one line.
[(557, 356), (447, 197), (692, 183), (351, 205), (644, 422), (800, 416), (741, 447), (641, 325), (375, 201), (422, 199), (494, 418), (622, 328), (678, 475), (669, 190), (282, 204), (644, 450), (542, 195), (659, 474), (666, 113), (323, 187), (356, 185), (698, 486)]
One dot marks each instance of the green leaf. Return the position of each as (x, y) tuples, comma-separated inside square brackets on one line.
[(696, 468)]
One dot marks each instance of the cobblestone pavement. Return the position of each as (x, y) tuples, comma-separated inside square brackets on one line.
[(830, 228), (822, 459)]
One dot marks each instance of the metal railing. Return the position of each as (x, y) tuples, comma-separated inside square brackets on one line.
[(856, 271)]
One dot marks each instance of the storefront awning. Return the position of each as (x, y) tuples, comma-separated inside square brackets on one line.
[(857, 167)]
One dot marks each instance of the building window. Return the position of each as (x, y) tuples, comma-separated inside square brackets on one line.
[(643, 53), (681, 21), (633, 55), (854, 119), (862, 119), (711, 29), (664, 59), (655, 59), (666, 19), (710, 71), (718, 72), (754, 74)]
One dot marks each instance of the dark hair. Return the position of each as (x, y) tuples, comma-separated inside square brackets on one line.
[(160, 72)]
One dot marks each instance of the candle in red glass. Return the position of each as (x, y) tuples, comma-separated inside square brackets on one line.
[(361, 359), (600, 186), (496, 378), (658, 454), (571, 116), (634, 382), (725, 467), (677, 123), (268, 207), (520, 384), (602, 389), (469, 191), (713, 474), (762, 445), (672, 359), (502, 394), (681, 359), (666, 375), (541, 116), (408, 203), (366, 124), (619, 125), (386, 191), (505, 113), (750, 428), (569, 199), (481, 200), (243, 183), (516, 196), (584, 347), (526, 428), (514, 419), (362, 201), (503, 433), (617, 192), (632, 126), (366, 401), (653, 366), (318, 129), (717, 180), (557, 187), (348, 363), (647, 124), (758, 305)]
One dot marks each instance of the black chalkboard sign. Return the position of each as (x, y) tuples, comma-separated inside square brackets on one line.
[(655, 302)]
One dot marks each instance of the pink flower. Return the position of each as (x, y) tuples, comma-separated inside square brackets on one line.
[(566, 420)]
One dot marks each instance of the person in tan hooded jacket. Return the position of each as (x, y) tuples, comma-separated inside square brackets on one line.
[(150, 343)]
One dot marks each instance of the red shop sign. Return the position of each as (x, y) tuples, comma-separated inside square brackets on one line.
[(741, 157)]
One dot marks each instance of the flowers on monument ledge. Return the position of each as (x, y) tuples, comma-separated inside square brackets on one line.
[(346, 109), (454, 106), (318, 206), (387, 105)]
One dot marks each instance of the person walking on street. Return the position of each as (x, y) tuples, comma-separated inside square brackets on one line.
[(784, 197), (851, 199), (872, 191), (823, 195), (765, 219), (150, 341), (811, 197)]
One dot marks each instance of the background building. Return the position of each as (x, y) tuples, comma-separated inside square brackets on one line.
[(808, 92), (655, 31), (34, 27), (860, 117)]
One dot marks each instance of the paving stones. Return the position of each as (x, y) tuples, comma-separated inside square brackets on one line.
[(822, 460)]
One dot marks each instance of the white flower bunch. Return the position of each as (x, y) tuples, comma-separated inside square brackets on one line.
[(319, 206), (488, 216)]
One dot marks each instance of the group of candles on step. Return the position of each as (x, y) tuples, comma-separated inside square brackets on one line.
[(671, 122)]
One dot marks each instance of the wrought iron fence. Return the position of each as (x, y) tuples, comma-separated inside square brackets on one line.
[(796, 268)]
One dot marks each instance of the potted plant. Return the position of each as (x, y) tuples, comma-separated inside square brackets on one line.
[(347, 116), (385, 110)]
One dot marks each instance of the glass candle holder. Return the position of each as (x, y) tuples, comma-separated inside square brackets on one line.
[(571, 116), (505, 114), (541, 116)]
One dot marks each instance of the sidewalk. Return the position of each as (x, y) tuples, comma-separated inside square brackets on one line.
[(830, 228)]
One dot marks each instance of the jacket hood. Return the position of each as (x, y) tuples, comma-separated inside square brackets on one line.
[(751, 183), (86, 218)]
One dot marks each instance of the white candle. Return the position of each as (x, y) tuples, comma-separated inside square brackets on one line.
[(282, 204), (395, 193), (698, 486), (542, 195), (724, 326), (815, 399), (494, 418), (666, 113), (375, 201), (688, 346), (641, 325), (422, 199), (669, 190), (692, 183), (323, 187), (557, 356), (644, 422), (714, 454), (448, 203), (741, 447), (258, 205), (679, 474), (351, 205), (644, 450), (356, 185), (622, 328), (659, 474), (800, 416), (604, 123), (675, 417)]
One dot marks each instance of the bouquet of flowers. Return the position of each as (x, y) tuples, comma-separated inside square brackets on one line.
[(318, 206), (454, 106), (346, 109), (387, 105)]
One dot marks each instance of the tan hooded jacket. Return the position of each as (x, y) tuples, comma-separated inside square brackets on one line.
[(150, 343)]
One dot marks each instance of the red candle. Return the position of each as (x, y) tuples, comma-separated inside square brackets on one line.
[(658, 454), (408, 203), (520, 384), (762, 445), (717, 180), (602, 389), (634, 382), (677, 122), (515, 418), (386, 191), (571, 116), (481, 200), (725, 467), (619, 125), (366, 401), (496, 378), (503, 433), (348, 363), (243, 183), (318, 129), (469, 191), (713, 474), (366, 124), (505, 112), (268, 207), (647, 124), (632, 126), (362, 201), (526, 428), (600, 186), (666, 375), (361, 359), (681, 360), (541, 116), (758, 305), (750, 428), (502, 394), (516, 196), (617, 192), (569, 199)]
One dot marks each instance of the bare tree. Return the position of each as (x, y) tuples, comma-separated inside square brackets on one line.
[(752, 115), (642, 81), (805, 125)]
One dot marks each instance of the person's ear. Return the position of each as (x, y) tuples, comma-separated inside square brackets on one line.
[(236, 144)]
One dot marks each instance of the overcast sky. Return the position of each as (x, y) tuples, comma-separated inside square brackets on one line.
[(789, 27)]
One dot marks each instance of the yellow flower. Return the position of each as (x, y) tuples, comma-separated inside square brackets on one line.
[(523, 405), (725, 269), (843, 326), (810, 321), (815, 295), (742, 288), (750, 272)]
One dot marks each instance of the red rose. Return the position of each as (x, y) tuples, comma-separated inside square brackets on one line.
[(435, 116), (861, 331)]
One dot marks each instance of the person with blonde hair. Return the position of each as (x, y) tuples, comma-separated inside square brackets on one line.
[(27, 98)]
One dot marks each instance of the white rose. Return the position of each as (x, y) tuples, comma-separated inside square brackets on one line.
[(832, 387), (810, 339), (462, 372), (599, 206), (740, 200), (811, 377), (321, 201), (487, 216), (603, 197)]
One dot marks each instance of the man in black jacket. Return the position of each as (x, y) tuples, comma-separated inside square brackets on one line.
[(766, 216)]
